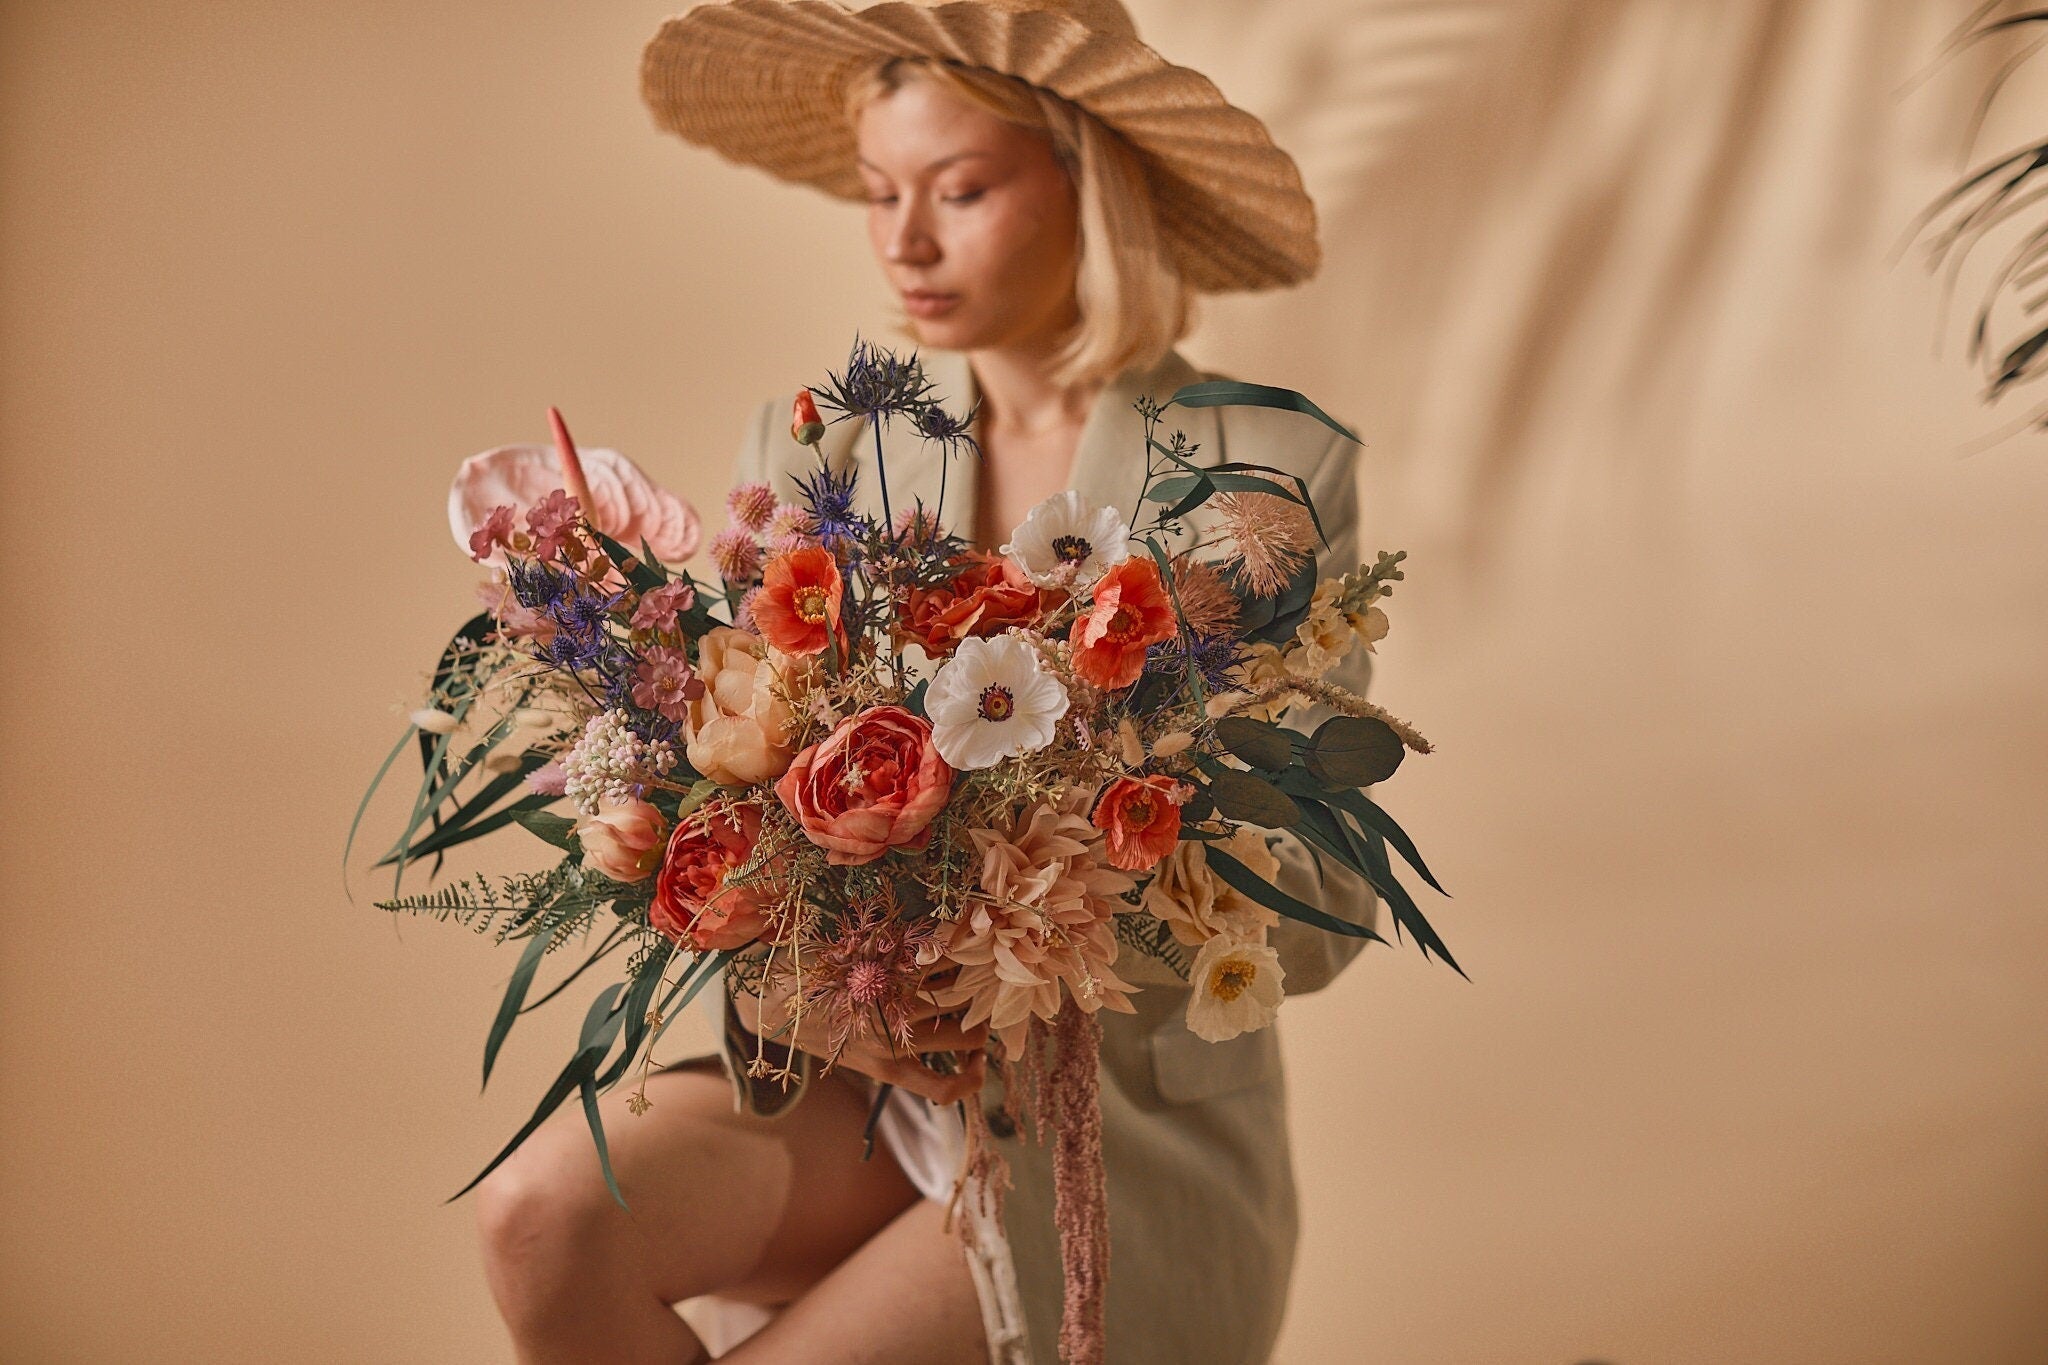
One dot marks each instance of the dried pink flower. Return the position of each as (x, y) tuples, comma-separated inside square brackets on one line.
[(791, 528), (1274, 537), (750, 505), (736, 555), (868, 968), (1206, 602)]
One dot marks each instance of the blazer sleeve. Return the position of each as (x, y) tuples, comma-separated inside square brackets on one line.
[(1312, 957), (765, 1096)]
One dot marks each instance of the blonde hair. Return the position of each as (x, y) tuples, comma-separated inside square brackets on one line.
[(1132, 301)]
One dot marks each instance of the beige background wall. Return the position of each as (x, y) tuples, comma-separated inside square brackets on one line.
[(1733, 655)]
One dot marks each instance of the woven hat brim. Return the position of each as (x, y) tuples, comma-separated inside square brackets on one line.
[(762, 82)]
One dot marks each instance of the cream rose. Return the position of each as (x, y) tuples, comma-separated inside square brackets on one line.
[(623, 840), (1197, 905), (738, 730)]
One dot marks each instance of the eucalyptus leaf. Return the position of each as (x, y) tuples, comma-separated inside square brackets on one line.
[(1259, 743), (1252, 800), (1353, 751)]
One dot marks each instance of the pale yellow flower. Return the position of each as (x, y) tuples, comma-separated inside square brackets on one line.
[(1324, 636), (1237, 988)]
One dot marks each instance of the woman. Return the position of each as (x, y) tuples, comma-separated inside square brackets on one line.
[(1044, 240)]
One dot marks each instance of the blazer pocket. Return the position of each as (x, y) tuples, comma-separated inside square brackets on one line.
[(1187, 1068)]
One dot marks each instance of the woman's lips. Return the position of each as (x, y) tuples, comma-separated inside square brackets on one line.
[(925, 304)]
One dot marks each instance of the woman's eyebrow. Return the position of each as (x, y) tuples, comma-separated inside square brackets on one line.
[(942, 161)]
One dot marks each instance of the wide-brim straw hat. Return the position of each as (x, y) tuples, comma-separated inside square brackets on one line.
[(763, 82)]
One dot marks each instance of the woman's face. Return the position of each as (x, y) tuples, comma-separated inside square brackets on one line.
[(973, 219)]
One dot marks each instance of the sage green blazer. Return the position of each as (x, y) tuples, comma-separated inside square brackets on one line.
[(1202, 1201)]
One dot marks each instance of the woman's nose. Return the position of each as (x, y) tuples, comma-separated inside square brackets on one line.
[(910, 241)]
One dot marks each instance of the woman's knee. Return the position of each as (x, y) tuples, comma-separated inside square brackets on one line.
[(540, 1226)]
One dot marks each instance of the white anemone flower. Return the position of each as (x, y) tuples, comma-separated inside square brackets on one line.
[(1237, 987), (992, 701), (1066, 542)]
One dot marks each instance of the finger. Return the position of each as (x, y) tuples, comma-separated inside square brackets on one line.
[(947, 1035), (938, 1087)]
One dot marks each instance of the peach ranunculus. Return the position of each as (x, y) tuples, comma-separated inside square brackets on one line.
[(990, 595), (797, 609), (1130, 612), (871, 785), (623, 840), (694, 902), (630, 508), (1141, 817), (1044, 913), (1197, 905), (738, 728)]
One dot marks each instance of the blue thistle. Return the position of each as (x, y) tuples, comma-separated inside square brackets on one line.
[(876, 385), (828, 497)]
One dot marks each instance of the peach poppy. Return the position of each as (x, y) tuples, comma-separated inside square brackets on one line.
[(1141, 818), (797, 610), (1130, 612)]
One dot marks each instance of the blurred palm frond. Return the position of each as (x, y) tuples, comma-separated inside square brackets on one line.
[(1998, 205)]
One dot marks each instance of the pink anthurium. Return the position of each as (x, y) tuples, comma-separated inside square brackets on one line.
[(612, 491)]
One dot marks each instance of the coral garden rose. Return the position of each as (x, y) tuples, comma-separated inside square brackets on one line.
[(871, 785), (1140, 817), (738, 726), (988, 596), (1131, 611), (623, 840), (797, 610), (694, 902)]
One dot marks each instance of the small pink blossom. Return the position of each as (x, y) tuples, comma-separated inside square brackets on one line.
[(665, 682), (548, 780), (552, 521), (493, 534), (658, 606)]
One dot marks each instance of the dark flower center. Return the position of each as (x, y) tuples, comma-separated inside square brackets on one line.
[(1071, 549), (1232, 977), (997, 703)]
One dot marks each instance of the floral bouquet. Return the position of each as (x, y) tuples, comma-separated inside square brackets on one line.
[(871, 766)]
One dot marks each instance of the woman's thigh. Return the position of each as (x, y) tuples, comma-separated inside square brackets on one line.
[(750, 1208)]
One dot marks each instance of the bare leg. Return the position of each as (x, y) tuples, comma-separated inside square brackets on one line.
[(905, 1298), (747, 1207)]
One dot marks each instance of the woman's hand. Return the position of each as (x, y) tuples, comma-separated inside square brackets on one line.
[(764, 1015)]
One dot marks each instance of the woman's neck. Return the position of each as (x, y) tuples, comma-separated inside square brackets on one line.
[(1020, 399)]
